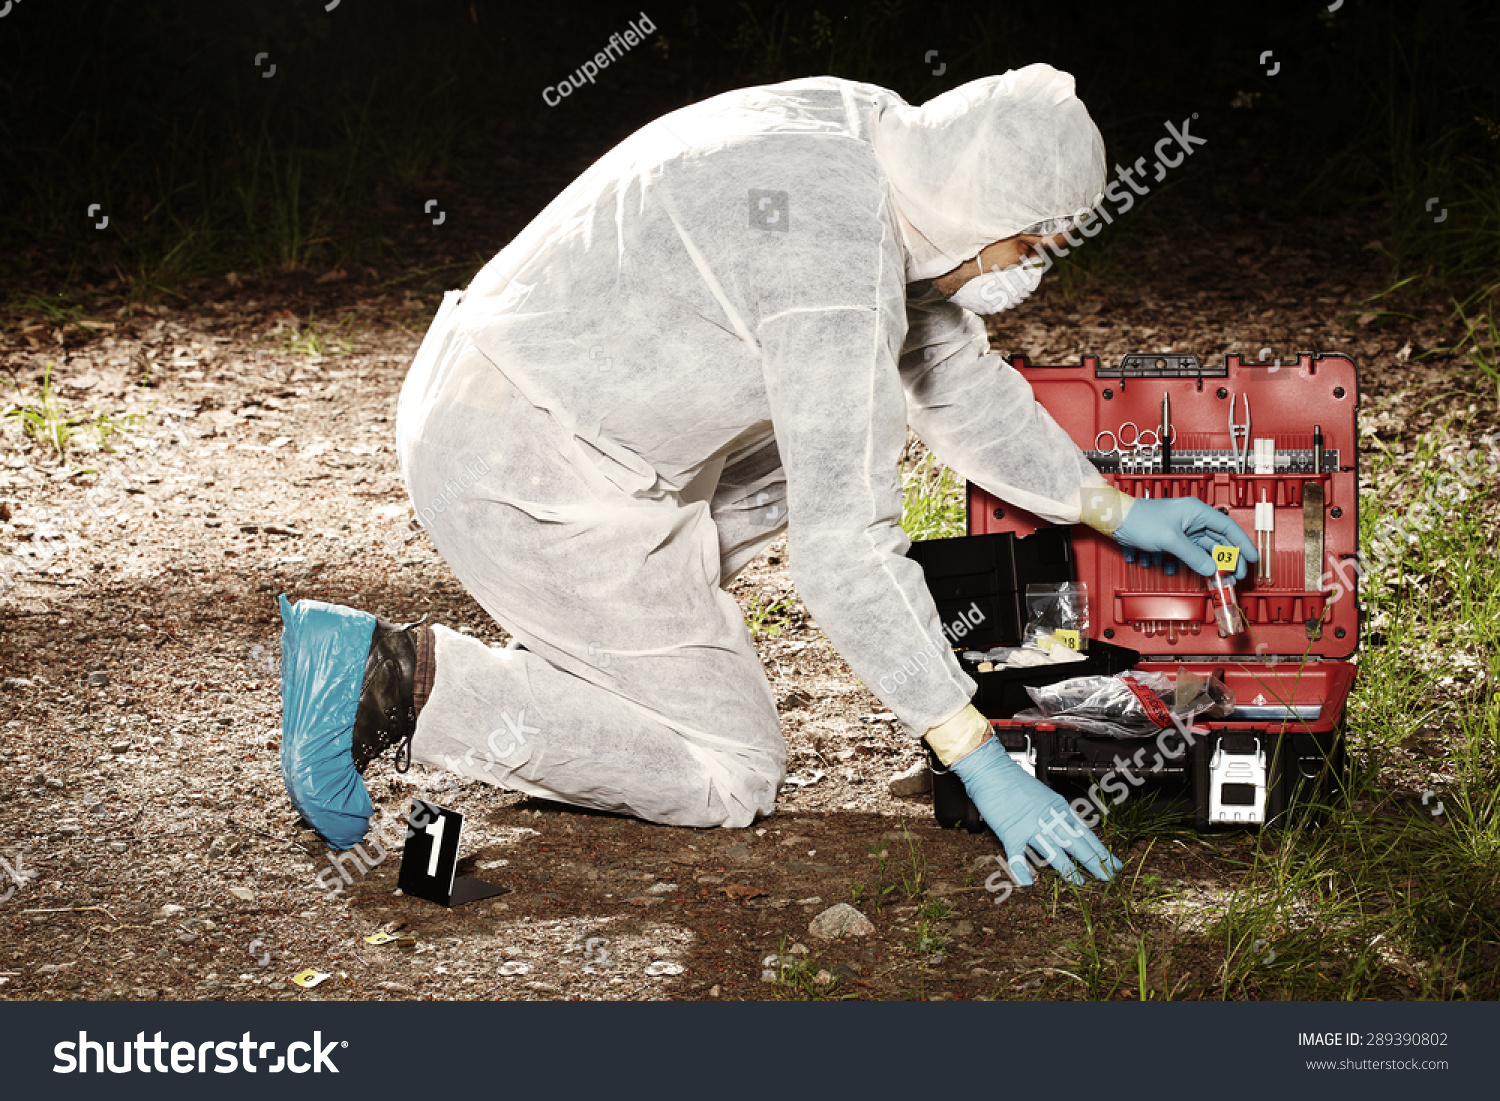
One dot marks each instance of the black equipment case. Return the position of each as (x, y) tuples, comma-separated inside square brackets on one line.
[(1282, 750)]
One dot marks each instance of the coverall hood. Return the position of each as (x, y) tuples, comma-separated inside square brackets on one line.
[(986, 161)]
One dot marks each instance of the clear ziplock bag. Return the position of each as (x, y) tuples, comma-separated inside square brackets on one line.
[(1129, 705), (1057, 614)]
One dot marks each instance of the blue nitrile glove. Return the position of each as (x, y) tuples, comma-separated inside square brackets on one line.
[(1187, 528), (1024, 811)]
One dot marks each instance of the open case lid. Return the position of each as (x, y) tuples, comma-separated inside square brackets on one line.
[(1170, 616)]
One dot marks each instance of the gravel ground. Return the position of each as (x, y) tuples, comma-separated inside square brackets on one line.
[(150, 849)]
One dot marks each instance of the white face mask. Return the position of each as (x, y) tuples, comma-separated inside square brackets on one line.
[(995, 291)]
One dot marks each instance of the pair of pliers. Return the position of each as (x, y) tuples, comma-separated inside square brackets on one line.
[(1239, 436)]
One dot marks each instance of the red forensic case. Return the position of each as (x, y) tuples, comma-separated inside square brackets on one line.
[(1282, 751)]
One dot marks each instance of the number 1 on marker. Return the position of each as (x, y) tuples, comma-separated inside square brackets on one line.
[(436, 830)]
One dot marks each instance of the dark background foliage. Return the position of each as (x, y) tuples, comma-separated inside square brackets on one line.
[(158, 112)]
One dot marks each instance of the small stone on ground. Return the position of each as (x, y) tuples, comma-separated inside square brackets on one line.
[(916, 780), (840, 920)]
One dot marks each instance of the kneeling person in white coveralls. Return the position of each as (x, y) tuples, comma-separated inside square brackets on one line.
[(719, 332)]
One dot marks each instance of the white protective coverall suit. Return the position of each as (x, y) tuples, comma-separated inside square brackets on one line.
[(718, 332)]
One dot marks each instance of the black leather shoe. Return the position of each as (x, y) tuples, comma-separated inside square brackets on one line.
[(387, 713)]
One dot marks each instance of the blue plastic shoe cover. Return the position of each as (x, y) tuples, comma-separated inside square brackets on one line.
[(323, 652)]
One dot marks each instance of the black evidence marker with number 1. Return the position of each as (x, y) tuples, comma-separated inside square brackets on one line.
[(430, 858)]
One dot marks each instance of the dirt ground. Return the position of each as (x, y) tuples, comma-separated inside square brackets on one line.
[(143, 808)]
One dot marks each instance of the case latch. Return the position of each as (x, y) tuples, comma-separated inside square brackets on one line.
[(1026, 758), (1237, 785)]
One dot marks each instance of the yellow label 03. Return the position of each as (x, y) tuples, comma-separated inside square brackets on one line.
[(1226, 558)]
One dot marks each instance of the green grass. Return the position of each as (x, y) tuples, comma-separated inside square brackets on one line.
[(906, 872), (44, 420), (901, 876), (287, 221), (766, 619), (913, 870), (801, 976), (1385, 898), (1480, 342), (56, 309), (110, 427), (932, 500), (312, 340), (927, 939), (878, 891)]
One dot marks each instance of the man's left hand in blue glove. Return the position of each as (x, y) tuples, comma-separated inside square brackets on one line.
[(1184, 527)]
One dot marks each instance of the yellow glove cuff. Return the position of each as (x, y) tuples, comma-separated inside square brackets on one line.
[(1104, 508), (959, 736)]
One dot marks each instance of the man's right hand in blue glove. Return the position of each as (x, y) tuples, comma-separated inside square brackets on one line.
[(1021, 809)]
